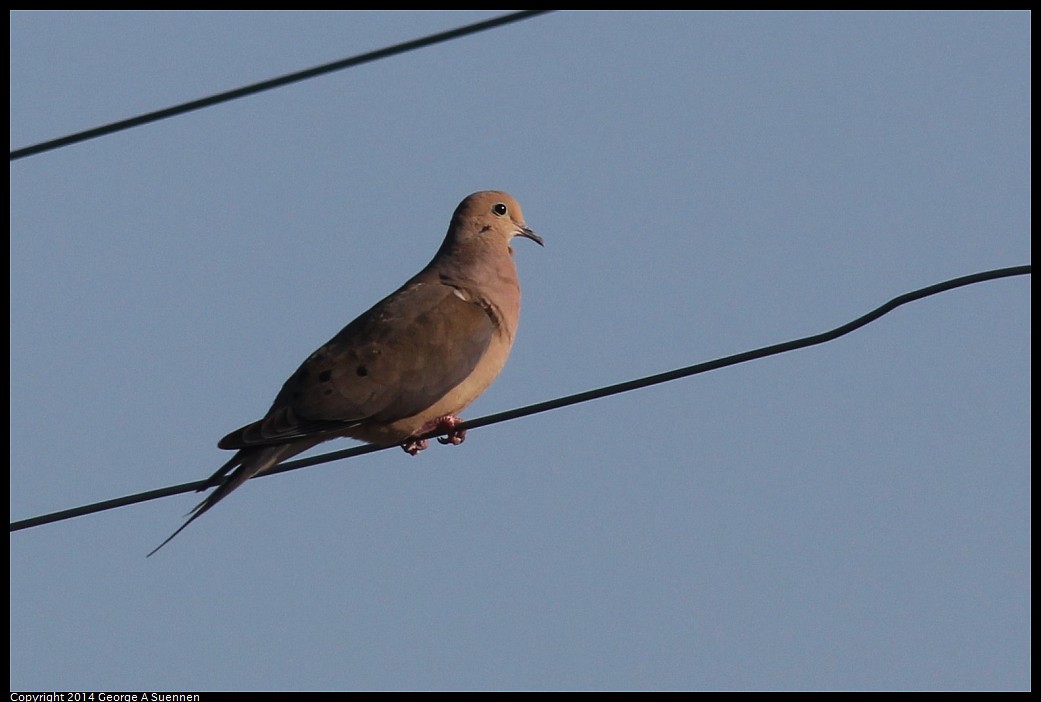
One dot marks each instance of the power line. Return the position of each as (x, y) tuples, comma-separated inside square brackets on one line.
[(563, 401), (274, 83)]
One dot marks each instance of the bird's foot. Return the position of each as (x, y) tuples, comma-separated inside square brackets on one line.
[(446, 424), (414, 446), (453, 436)]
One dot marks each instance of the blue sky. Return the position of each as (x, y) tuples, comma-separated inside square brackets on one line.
[(852, 516)]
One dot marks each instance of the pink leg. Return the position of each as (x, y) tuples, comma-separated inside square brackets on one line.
[(454, 436), (414, 446), (446, 424)]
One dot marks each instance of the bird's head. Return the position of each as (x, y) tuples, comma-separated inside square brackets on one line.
[(489, 217)]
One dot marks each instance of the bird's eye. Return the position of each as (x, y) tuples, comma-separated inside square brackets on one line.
[(499, 209)]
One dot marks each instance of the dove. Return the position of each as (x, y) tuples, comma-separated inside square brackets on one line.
[(406, 367)]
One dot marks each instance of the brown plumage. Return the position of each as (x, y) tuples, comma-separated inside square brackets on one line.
[(405, 367)]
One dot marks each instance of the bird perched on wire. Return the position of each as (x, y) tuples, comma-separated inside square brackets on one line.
[(407, 366)]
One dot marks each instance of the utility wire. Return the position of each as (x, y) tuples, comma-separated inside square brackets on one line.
[(563, 401), (274, 83)]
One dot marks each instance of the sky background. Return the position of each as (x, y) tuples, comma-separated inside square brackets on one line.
[(851, 516)]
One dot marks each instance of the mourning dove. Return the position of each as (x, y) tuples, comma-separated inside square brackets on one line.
[(405, 367)]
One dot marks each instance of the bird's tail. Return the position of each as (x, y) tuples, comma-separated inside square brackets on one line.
[(245, 464)]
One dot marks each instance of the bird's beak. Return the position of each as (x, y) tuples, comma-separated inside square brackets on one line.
[(528, 234)]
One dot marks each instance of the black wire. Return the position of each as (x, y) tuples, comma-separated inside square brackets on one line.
[(563, 401), (273, 83)]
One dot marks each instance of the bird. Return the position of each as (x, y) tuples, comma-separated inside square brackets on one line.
[(406, 367)]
